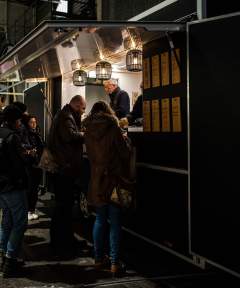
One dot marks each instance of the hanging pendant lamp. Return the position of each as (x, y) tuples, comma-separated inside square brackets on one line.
[(79, 78), (134, 60), (103, 70)]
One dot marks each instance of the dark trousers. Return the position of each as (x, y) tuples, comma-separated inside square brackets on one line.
[(34, 179), (61, 230)]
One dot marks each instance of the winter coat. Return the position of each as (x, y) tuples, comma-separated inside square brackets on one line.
[(13, 173), (108, 152), (120, 102), (33, 140), (66, 142)]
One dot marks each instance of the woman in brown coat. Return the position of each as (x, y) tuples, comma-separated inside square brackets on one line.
[(108, 152)]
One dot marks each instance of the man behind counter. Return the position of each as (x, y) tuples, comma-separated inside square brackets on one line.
[(119, 99)]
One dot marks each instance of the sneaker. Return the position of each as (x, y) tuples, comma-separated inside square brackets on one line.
[(35, 215), (30, 216)]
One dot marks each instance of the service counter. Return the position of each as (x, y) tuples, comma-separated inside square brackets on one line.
[(161, 214)]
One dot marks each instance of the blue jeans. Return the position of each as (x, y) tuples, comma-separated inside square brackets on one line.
[(13, 206), (113, 214)]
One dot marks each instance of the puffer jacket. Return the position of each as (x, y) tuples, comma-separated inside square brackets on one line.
[(108, 152), (66, 142)]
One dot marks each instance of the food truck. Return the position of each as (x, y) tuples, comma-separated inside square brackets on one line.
[(187, 150)]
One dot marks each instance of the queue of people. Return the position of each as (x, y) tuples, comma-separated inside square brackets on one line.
[(21, 147)]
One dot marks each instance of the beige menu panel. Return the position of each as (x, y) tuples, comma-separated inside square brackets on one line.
[(146, 116), (176, 114), (146, 73), (155, 71), (176, 74), (165, 68), (155, 116), (166, 115)]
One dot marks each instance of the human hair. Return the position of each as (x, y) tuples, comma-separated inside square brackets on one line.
[(101, 106), (26, 118), (111, 82), (11, 114), (21, 106), (76, 98)]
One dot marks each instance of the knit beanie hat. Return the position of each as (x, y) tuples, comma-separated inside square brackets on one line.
[(11, 113)]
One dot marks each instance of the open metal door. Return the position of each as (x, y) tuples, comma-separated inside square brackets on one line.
[(214, 140)]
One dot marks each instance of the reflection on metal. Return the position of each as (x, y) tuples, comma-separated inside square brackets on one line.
[(76, 64), (12, 93), (36, 80), (38, 55), (162, 168), (11, 86), (153, 10)]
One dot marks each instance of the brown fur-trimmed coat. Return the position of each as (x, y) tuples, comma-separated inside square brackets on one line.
[(108, 152)]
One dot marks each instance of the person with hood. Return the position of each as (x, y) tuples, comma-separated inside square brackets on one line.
[(119, 99), (108, 151), (13, 185), (65, 142)]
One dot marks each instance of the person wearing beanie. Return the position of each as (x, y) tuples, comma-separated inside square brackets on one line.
[(21, 106), (13, 184)]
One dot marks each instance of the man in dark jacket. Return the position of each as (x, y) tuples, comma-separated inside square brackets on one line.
[(119, 99), (136, 115), (13, 183), (66, 144)]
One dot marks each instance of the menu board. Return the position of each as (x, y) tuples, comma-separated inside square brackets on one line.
[(165, 115), (165, 68), (146, 73), (155, 116), (146, 116), (176, 74), (176, 114), (155, 71)]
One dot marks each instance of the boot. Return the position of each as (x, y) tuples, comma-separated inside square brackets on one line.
[(10, 268), (118, 270), (102, 264), (2, 260)]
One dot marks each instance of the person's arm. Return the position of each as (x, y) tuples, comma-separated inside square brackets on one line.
[(69, 133), (122, 142)]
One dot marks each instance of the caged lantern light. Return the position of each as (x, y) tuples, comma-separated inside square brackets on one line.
[(79, 77), (134, 60), (103, 70)]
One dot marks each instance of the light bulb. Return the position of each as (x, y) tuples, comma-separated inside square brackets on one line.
[(135, 60)]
